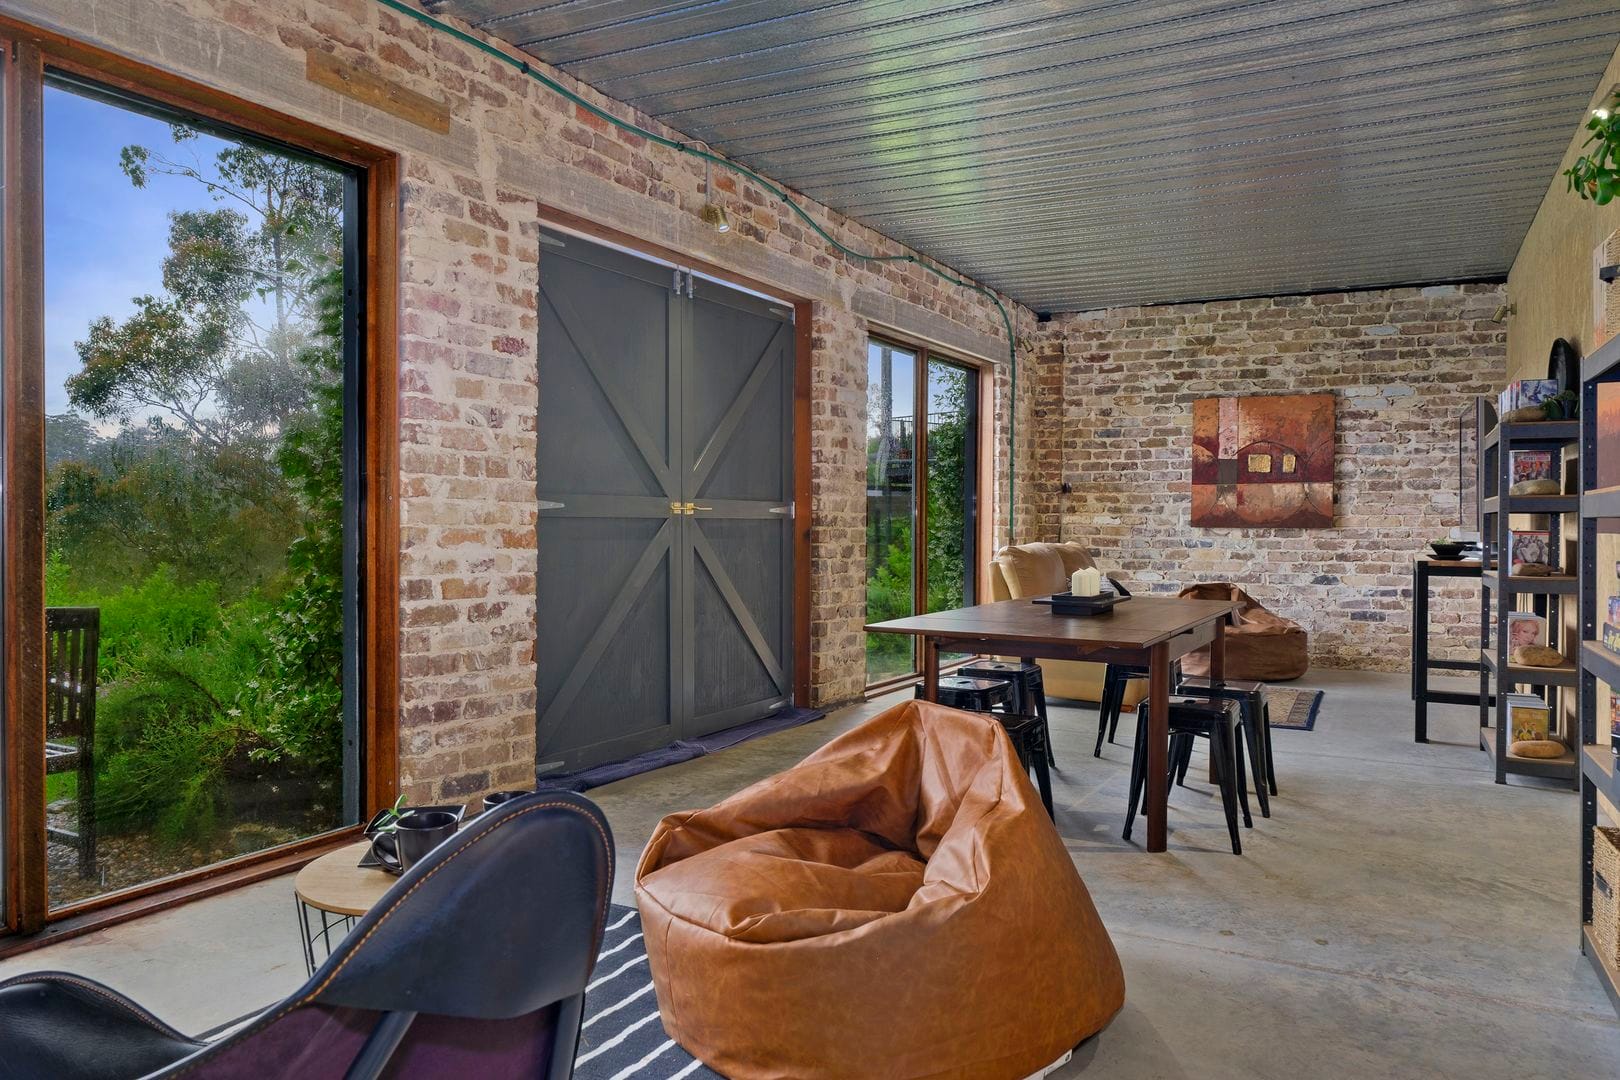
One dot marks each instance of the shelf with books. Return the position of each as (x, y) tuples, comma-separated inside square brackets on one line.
[(1598, 620), (1527, 574)]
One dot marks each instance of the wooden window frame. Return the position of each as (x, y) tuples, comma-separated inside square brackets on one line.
[(984, 378), (30, 53)]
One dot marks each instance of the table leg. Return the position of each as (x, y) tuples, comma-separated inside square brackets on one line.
[(930, 648), (1420, 652), (1158, 736), (1217, 674)]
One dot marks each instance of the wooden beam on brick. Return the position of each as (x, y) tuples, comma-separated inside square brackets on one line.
[(355, 82)]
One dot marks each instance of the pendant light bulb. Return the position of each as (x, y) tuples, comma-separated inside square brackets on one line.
[(714, 215)]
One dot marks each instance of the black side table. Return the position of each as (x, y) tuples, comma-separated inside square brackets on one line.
[(1423, 569)]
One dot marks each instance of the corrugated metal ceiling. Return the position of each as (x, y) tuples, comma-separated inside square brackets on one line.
[(1079, 155)]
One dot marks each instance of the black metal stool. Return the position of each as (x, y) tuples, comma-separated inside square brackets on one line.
[(1029, 691), (1028, 735), (971, 695), (1255, 716), (1115, 679), (1212, 720)]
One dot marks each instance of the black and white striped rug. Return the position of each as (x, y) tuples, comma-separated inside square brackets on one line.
[(622, 1036)]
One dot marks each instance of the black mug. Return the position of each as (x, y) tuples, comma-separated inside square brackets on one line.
[(495, 798), (413, 836)]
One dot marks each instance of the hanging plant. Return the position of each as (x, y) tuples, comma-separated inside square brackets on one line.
[(1596, 175)]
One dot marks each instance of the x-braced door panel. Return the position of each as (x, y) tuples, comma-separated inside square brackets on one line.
[(737, 385), (665, 478)]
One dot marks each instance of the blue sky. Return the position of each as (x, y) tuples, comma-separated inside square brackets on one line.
[(104, 238)]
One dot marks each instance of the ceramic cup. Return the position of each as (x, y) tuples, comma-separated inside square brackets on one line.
[(495, 798), (413, 836)]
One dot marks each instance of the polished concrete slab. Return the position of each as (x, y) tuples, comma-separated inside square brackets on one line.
[(1399, 915)]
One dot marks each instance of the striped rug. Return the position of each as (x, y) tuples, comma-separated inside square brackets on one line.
[(622, 1036)]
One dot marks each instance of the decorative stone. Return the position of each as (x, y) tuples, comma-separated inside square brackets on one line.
[(1536, 656), (1537, 748), (1544, 486)]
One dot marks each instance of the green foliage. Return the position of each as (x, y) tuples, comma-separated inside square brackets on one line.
[(207, 527), (1596, 175)]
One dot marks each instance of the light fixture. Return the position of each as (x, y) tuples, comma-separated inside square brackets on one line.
[(713, 213), (1601, 114)]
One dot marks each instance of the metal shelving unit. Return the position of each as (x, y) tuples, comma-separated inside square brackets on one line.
[(1599, 769), (1500, 591)]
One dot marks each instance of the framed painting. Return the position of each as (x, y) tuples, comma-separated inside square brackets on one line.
[(1263, 462)]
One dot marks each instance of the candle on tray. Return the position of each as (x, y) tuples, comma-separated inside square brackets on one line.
[(1086, 581)]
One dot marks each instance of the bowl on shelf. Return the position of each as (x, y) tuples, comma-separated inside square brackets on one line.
[(1447, 549)]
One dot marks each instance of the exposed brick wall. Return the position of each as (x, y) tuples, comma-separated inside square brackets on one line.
[(469, 371), (1115, 420)]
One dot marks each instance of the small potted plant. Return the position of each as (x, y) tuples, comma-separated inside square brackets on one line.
[(1596, 174)]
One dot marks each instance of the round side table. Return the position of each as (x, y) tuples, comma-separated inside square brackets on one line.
[(339, 891)]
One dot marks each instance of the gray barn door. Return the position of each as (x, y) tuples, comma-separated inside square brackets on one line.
[(657, 622)]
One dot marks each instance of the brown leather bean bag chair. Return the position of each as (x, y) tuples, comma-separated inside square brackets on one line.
[(1263, 646), (896, 905)]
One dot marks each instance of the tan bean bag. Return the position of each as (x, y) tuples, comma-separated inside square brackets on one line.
[(1262, 647), (896, 905)]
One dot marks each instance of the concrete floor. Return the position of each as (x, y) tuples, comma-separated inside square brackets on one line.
[(1399, 915)]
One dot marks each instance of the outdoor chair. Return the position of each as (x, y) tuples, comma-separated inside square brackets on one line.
[(474, 964), (72, 644)]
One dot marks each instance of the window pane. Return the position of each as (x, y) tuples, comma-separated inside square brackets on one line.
[(951, 473), (890, 439), (195, 450)]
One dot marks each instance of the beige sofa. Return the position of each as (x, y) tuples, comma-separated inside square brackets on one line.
[(1030, 570)]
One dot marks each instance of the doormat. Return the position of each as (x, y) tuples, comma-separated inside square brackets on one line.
[(677, 752), (1294, 710)]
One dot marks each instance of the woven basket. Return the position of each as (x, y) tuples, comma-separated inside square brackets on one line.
[(1606, 891)]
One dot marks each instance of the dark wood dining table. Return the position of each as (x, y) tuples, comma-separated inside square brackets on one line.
[(1146, 631)]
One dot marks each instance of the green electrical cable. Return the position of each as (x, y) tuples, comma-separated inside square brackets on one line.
[(776, 192)]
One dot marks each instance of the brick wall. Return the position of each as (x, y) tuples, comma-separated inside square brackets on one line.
[(470, 206), (1114, 406)]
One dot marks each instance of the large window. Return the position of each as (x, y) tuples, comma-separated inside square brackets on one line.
[(196, 602), (921, 519)]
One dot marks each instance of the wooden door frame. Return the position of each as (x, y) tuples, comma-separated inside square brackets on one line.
[(983, 478), (551, 216), (34, 52)]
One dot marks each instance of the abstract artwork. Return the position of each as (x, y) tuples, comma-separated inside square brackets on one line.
[(1263, 462)]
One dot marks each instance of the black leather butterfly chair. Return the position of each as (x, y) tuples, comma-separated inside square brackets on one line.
[(473, 965)]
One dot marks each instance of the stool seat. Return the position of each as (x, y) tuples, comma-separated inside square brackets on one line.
[(1028, 735), (970, 694), (1215, 720), (1255, 719), (1029, 690)]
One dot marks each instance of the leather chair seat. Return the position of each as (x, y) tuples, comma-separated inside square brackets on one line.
[(73, 1029), (789, 884), (897, 905)]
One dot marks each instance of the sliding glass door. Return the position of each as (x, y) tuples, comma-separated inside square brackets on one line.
[(922, 445), (193, 568)]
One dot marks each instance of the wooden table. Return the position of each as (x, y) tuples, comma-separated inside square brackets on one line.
[(1151, 631), (336, 885), (1424, 569)]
